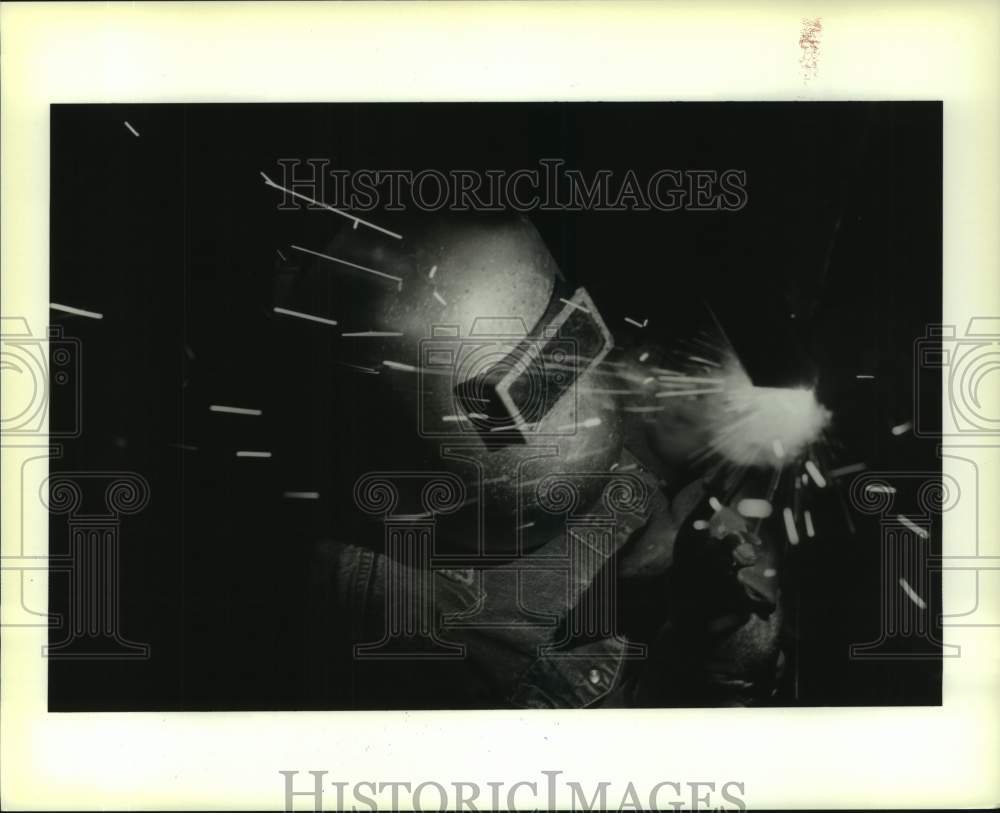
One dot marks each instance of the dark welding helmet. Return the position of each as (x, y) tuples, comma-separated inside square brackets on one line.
[(462, 350)]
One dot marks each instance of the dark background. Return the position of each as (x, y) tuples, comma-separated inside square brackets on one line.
[(173, 237)]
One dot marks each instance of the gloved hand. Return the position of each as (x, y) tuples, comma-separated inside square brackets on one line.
[(720, 642)]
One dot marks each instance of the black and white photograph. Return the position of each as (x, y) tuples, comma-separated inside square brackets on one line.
[(549, 405), (475, 405)]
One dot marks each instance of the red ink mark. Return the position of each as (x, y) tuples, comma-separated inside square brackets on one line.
[(809, 43)]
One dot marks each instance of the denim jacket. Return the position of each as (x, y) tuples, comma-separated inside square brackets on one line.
[(505, 635)]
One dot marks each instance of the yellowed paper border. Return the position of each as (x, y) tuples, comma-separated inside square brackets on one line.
[(260, 52)]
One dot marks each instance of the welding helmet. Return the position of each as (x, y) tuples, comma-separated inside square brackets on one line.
[(464, 355)]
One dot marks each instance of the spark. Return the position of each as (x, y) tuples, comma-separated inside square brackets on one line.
[(878, 488), (234, 410), (299, 315), (439, 298), (301, 495), (370, 334), (283, 257), (700, 525), (912, 594), (471, 416), (526, 525), (805, 478), (508, 427), (132, 129), (815, 473), (862, 377), (687, 381), (705, 361), (716, 505), (778, 447), (753, 508), (677, 393), (632, 321), (76, 311), (364, 268), (329, 208), (770, 572), (921, 532), (851, 468), (253, 454), (810, 530), (643, 357), (574, 304), (395, 365), (648, 380), (902, 428), (432, 272), (589, 423), (793, 534), (791, 416), (368, 370)]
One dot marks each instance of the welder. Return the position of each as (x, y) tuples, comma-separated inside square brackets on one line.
[(574, 551)]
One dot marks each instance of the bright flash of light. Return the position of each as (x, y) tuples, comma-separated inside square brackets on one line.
[(758, 426)]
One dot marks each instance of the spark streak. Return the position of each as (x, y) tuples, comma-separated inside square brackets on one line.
[(396, 365), (329, 208), (440, 298), (851, 468), (912, 594), (902, 428), (309, 316), (638, 324), (301, 495), (132, 129), (678, 393), (253, 454), (234, 410), (921, 532), (810, 530), (370, 334), (348, 263), (574, 304), (589, 423), (368, 370), (755, 509), (76, 311), (432, 272), (790, 529), (815, 473)]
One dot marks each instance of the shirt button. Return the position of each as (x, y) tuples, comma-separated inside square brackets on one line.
[(594, 676)]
